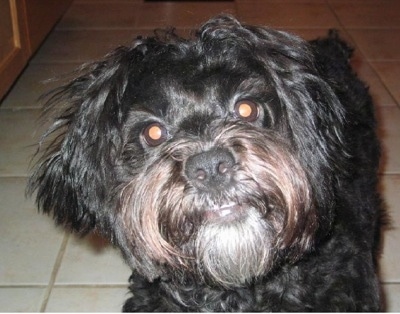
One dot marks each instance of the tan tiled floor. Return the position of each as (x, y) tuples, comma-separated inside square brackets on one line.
[(44, 269)]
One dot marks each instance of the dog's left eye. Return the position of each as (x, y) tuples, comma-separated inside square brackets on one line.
[(247, 110), (154, 134)]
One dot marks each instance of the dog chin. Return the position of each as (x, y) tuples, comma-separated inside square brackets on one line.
[(231, 246)]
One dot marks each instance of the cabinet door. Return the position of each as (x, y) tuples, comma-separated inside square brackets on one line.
[(41, 15), (23, 26), (13, 42)]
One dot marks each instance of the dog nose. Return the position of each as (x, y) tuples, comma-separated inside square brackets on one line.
[(210, 169)]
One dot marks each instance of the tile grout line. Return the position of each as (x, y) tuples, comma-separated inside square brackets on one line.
[(92, 285), (54, 273), (12, 176), (75, 285)]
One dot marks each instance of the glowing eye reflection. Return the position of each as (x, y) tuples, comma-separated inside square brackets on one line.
[(247, 110), (154, 134)]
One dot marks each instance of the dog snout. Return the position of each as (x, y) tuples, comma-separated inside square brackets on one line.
[(210, 169)]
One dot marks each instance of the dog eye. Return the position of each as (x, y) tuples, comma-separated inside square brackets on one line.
[(247, 110), (154, 134)]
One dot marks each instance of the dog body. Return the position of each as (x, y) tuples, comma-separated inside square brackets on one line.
[(236, 171)]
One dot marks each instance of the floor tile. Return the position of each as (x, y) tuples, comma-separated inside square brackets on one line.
[(180, 14), (392, 292), (367, 13), (34, 81), (287, 2), (29, 242), (15, 299), (68, 46), (389, 262), (306, 33), (113, 1), (378, 90), (389, 131), (82, 254), (378, 44), (389, 72), (295, 14), (87, 299), (19, 131), (108, 15)]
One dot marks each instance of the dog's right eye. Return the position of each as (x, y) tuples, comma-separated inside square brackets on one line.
[(247, 110), (154, 134)]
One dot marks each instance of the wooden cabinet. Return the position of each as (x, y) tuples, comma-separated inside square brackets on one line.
[(23, 26), (14, 49)]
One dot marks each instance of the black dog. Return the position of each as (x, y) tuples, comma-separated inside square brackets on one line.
[(236, 171)]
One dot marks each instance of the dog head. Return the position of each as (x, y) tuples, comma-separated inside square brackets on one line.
[(212, 156)]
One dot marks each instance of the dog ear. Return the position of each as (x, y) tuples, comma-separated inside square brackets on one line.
[(79, 150)]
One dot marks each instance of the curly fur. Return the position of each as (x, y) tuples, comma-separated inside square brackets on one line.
[(289, 222)]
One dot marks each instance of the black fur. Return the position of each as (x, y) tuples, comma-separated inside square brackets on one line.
[(301, 175)]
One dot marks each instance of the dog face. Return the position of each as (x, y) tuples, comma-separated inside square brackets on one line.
[(212, 157)]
